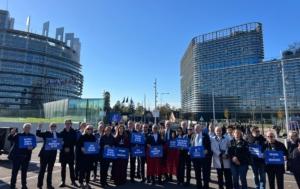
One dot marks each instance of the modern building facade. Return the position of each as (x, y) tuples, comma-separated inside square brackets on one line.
[(228, 67), (35, 69)]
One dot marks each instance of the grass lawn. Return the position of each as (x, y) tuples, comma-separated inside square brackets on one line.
[(29, 119)]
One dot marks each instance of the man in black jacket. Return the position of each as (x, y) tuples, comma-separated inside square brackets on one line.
[(167, 136), (293, 161), (274, 169), (201, 139), (67, 155), (98, 133), (187, 158), (259, 163), (47, 157), (80, 130), (20, 157), (132, 159), (142, 159)]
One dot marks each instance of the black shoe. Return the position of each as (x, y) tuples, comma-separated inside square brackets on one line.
[(138, 176), (166, 180), (132, 180), (111, 178), (94, 179), (106, 184), (186, 184), (160, 182), (153, 182), (23, 187), (74, 184), (76, 178), (143, 180), (170, 179), (179, 183), (12, 187), (148, 181), (50, 187), (62, 184), (102, 185)]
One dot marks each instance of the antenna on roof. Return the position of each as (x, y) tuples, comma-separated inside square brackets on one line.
[(7, 5)]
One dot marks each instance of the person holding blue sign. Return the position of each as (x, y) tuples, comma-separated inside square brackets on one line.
[(201, 139), (274, 167), (154, 164), (98, 133), (47, 157), (20, 157), (142, 159), (107, 140), (238, 151), (168, 135), (80, 130), (255, 140), (181, 165), (67, 154), (85, 161), (219, 146), (132, 159), (120, 165)]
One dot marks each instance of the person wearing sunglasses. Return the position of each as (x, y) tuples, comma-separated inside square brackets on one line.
[(86, 160), (293, 161), (47, 157), (273, 170), (258, 167)]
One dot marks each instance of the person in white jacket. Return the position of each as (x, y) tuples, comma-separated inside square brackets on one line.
[(219, 146)]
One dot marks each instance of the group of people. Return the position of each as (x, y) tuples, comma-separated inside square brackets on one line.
[(224, 146)]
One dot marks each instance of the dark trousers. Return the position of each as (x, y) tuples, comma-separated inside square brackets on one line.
[(138, 171), (297, 178), (132, 167), (76, 168), (279, 178), (103, 172), (168, 176), (228, 178), (16, 164), (142, 162), (95, 168), (209, 159), (85, 174), (49, 164), (181, 168), (63, 171), (198, 164), (188, 163)]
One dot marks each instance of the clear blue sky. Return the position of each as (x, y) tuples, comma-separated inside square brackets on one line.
[(126, 44)]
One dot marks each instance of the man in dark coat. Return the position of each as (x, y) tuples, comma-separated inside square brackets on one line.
[(201, 139), (79, 132), (67, 155), (142, 159), (259, 163), (187, 158), (47, 157), (98, 133), (132, 159), (167, 136), (293, 161), (273, 170), (20, 157)]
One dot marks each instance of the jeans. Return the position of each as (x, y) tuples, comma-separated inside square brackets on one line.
[(239, 171), (259, 167)]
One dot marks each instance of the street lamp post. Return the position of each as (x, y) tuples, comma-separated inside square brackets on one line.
[(261, 118)]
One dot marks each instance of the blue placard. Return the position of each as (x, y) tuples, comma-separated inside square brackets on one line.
[(225, 135), (137, 138), (171, 144), (53, 144), (122, 153), (139, 132), (78, 134), (97, 138), (196, 152), (91, 148), (138, 151), (115, 117), (156, 151), (255, 150), (26, 141), (274, 157), (205, 131), (110, 153), (182, 142)]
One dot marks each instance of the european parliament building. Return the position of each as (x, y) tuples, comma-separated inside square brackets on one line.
[(228, 66), (36, 69)]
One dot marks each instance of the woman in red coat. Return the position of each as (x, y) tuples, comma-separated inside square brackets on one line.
[(120, 165)]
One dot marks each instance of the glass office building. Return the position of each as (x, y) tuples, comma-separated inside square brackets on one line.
[(228, 66), (36, 69)]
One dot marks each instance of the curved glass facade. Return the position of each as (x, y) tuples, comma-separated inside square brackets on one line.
[(28, 62), (228, 64)]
